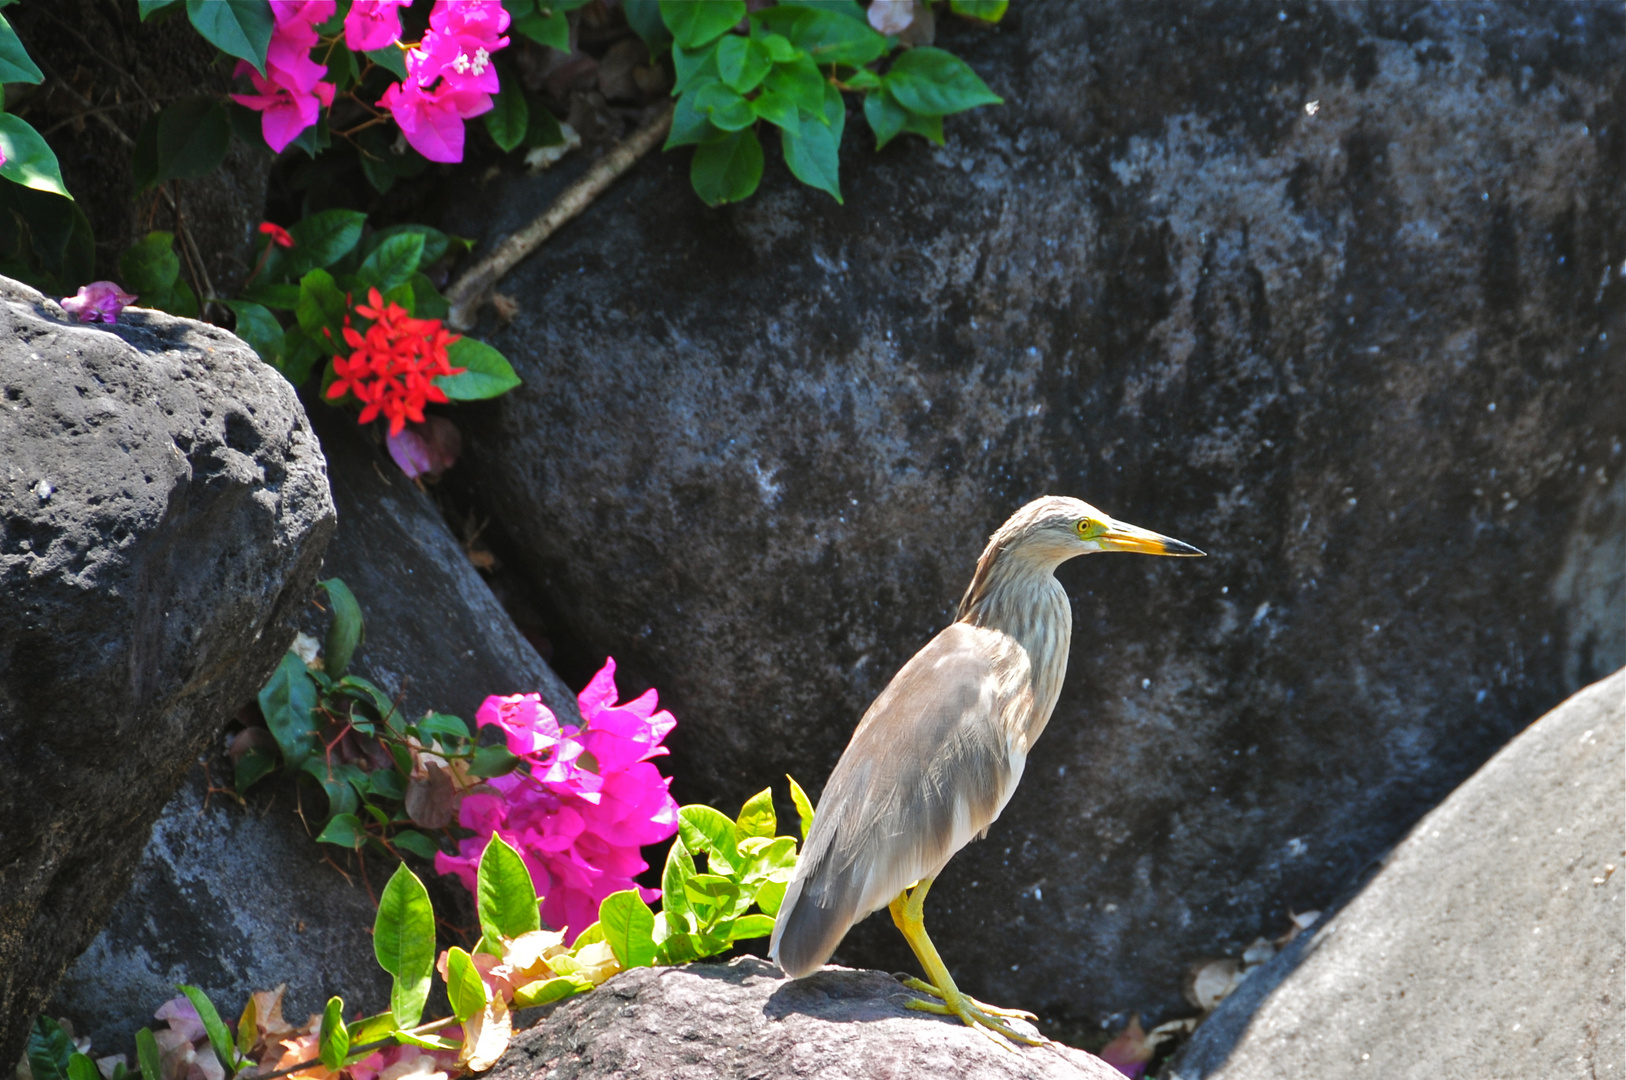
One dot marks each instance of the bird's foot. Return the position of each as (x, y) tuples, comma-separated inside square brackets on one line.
[(984, 1018)]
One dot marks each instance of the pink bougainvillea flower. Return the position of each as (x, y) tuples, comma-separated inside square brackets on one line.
[(284, 109), (100, 300), (450, 76), (432, 121), (373, 24), (584, 803), (279, 236)]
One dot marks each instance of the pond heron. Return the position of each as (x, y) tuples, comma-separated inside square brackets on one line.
[(937, 755)]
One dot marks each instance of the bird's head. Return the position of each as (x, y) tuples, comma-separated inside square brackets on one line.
[(1056, 528)]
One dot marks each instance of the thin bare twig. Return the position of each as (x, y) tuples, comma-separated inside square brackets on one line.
[(471, 288)]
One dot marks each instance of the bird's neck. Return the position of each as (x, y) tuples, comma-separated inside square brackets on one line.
[(1023, 599)]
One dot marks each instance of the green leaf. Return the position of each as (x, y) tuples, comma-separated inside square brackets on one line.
[(356, 687), (711, 897), (813, 153), (193, 136), (389, 58), (757, 816), (411, 839), (321, 310), (542, 127), (393, 262), (336, 784), (695, 22), (693, 66), (386, 783), (435, 242), (510, 116), (936, 83), (149, 8), (679, 949), (804, 805), (706, 830), (464, 988), (548, 27), (594, 933), (689, 124), (434, 724), (862, 79), (147, 1056), (679, 868), (286, 702), (151, 267), (778, 110), (727, 170), (829, 37), (49, 1049), (742, 62), (321, 239), (343, 830), (371, 1029), (15, 66), (986, 10), (644, 16), (250, 769), (260, 329), (334, 1040), (505, 894), (488, 372), (846, 8), (283, 295), (490, 761), (346, 630), (240, 28), (81, 1067), (428, 302), (770, 895), (727, 110), (750, 926), (544, 991), (27, 159), (404, 943), (887, 119), (219, 1034), (800, 81), (780, 50), (629, 927)]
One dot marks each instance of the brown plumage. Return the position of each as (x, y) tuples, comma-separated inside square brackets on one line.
[(938, 754)]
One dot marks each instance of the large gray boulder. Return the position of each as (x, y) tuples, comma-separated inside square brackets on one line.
[(241, 898), (163, 510), (1331, 291), (1491, 944), (745, 1021)]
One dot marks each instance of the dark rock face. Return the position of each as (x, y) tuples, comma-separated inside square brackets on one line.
[(1513, 882), (162, 517), (1366, 355), (237, 899), (746, 1021)]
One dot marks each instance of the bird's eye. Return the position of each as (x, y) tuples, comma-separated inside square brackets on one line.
[(1083, 527)]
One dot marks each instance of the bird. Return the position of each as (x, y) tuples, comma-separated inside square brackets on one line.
[(938, 754)]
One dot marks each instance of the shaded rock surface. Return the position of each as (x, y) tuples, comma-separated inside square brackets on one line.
[(237, 899), (163, 512), (1367, 355), (1490, 944), (746, 1021)]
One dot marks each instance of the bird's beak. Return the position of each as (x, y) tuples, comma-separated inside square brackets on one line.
[(1122, 536)]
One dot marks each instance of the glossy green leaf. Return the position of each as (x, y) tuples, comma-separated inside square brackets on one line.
[(286, 702), (433, 725), (829, 37), (240, 28), (694, 66), (333, 1040), (148, 1056), (706, 830), (371, 1029), (411, 840), (544, 991), (149, 8), (804, 806), (490, 761), (545, 27), (505, 894), (392, 262), (679, 868), (711, 897), (679, 949), (986, 10), (320, 240), (193, 135), (593, 933), (435, 242), (644, 16), (335, 778), (15, 66), (778, 110), (727, 110), (780, 50), (770, 895), (727, 170), (813, 153), (250, 769), (346, 630), (887, 119), (343, 830), (430, 304), (936, 83), (629, 927), (260, 329), (219, 1035), (26, 159), (81, 1067), (689, 125), (321, 310), (510, 116), (488, 372), (48, 1050), (464, 988), (404, 943), (862, 79), (389, 58), (757, 816), (800, 81), (742, 62), (750, 926), (695, 22)]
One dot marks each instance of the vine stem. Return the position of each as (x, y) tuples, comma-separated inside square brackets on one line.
[(421, 1029), (473, 286)]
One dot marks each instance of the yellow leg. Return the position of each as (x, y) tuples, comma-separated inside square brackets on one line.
[(908, 915)]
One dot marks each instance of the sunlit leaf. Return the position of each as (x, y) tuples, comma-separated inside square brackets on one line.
[(757, 816), (26, 159), (404, 943), (334, 1038), (629, 927), (710, 831), (505, 895), (489, 372), (219, 1035), (464, 988), (804, 806)]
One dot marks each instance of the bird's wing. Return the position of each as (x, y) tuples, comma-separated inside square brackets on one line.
[(931, 765)]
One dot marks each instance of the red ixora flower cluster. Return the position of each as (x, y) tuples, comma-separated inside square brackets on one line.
[(395, 363)]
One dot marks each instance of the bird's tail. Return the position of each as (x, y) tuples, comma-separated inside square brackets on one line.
[(806, 932)]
